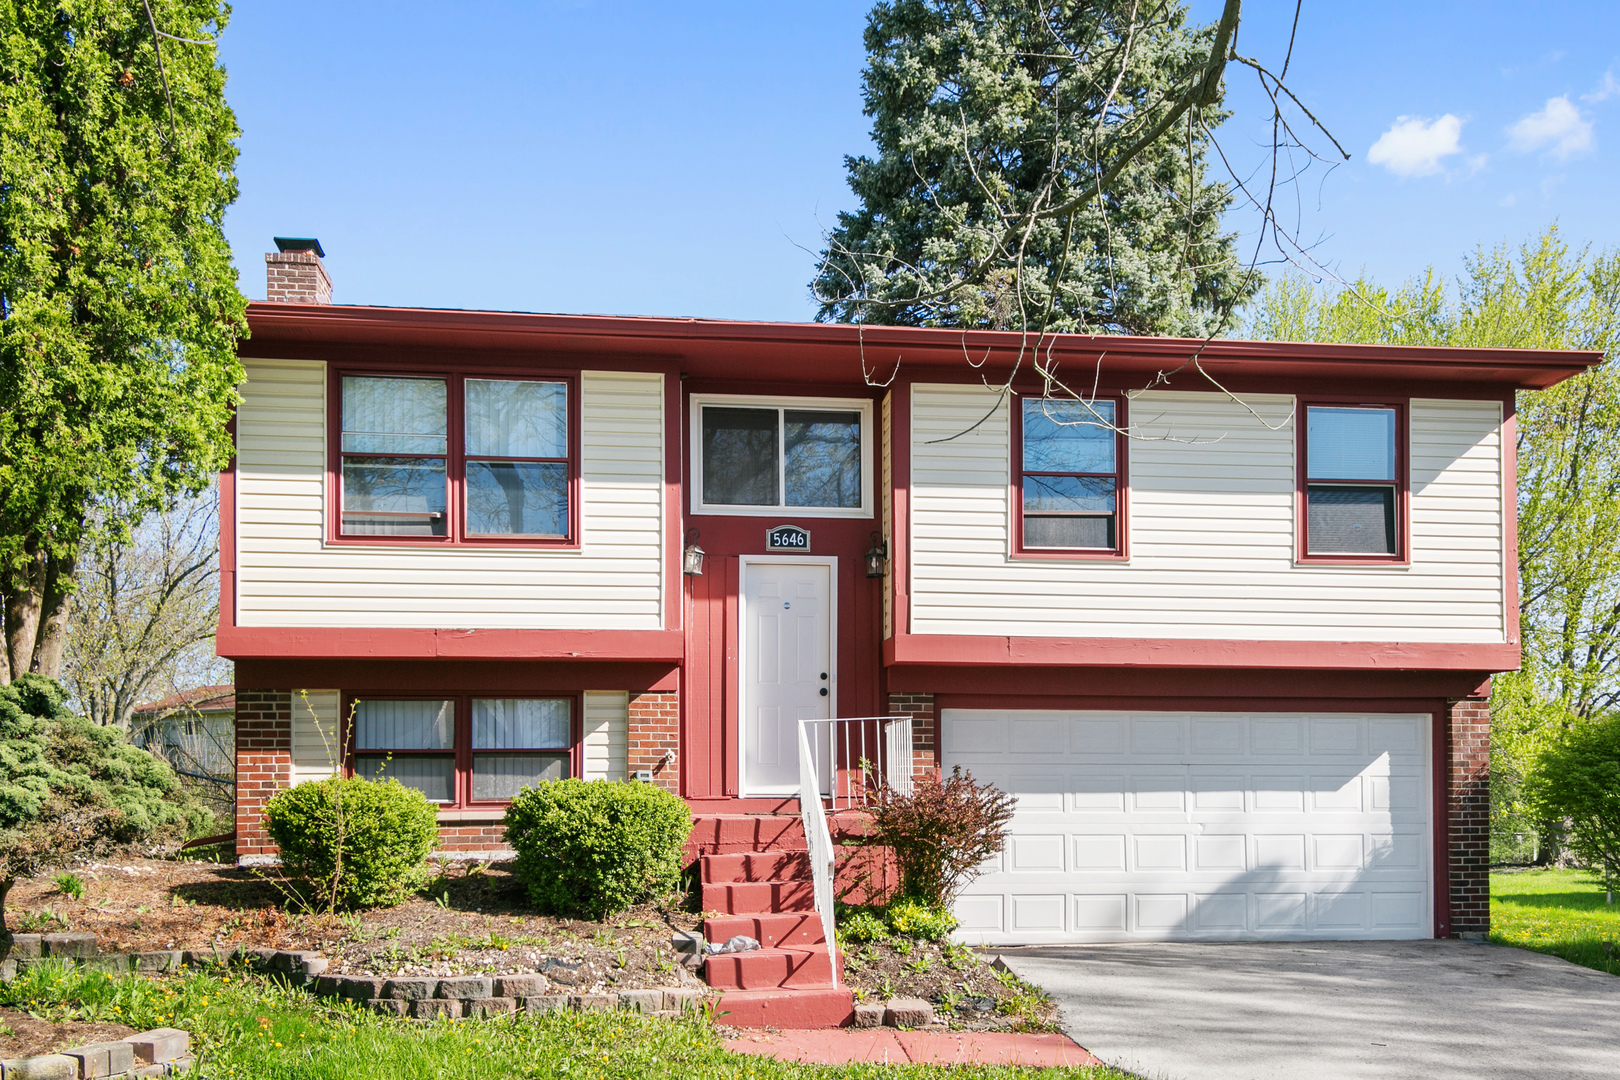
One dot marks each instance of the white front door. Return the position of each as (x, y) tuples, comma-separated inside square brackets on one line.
[(786, 667)]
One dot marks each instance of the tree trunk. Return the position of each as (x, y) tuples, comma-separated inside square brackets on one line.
[(5, 652), (56, 605), (25, 594), (5, 931)]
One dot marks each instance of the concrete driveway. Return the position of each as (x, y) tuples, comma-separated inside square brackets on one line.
[(1414, 1010)]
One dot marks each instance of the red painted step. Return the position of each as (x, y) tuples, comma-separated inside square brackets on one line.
[(822, 1007), (720, 834), (756, 866), (772, 931), (765, 968), (753, 897)]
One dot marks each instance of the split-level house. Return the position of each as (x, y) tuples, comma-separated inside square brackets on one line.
[(1226, 629)]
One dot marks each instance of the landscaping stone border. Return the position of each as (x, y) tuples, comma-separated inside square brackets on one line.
[(417, 997), (159, 1052)]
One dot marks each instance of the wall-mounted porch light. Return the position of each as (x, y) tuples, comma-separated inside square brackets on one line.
[(877, 558), (692, 557)]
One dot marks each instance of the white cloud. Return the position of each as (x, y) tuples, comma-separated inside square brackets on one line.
[(1559, 128), (1507, 200), (1608, 88), (1414, 146)]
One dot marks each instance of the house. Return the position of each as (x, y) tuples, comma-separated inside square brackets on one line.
[(1227, 629), (193, 730)]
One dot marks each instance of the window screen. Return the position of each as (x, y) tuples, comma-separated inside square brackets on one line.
[(524, 728), (399, 740), (1070, 477), (516, 445), (1351, 490), (740, 462)]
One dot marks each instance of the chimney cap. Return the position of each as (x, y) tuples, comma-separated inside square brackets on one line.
[(299, 243)]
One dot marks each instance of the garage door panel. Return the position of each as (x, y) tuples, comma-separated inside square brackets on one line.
[(1212, 826)]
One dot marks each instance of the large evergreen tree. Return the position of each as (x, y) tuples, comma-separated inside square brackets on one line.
[(119, 311), (1040, 165)]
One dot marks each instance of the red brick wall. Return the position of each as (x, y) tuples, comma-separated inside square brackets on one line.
[(1468, 814), (481, 836), (296, 277), (654, 730), (263, 762), (920, 707)]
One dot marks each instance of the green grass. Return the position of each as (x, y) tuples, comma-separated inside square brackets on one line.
[(1561, 912), (243, 1028)]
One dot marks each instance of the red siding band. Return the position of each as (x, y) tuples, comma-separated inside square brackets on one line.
[(904, 649), (373, 643)]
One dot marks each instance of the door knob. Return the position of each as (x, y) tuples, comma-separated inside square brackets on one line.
[(824, 675)]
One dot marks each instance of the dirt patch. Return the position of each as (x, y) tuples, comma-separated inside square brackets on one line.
[(477, 921), (22, 1035), (967, 991)]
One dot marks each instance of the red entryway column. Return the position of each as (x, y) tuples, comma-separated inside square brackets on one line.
[(263, 763)]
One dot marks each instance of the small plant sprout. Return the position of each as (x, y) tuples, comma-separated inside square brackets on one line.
[(69, 884)]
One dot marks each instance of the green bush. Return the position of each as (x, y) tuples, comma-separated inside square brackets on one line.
[(862, 925), (913, 919), (593, 848), (359, 843), (1576, 777)]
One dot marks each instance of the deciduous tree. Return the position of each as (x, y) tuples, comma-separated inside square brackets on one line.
[(119, 311)]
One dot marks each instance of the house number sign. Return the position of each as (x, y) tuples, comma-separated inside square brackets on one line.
[(787, 538)]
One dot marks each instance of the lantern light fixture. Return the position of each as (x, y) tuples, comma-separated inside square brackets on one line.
[(692, 556), (877, 558)]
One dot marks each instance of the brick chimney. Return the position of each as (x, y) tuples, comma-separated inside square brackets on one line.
[(294, 274)]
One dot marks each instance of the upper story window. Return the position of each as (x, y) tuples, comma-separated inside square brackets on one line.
[(1353, 482), (808, 456), (462, 751), (460, 459), (1070, 476)]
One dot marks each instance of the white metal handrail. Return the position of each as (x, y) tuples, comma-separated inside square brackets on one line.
[(840, 761)]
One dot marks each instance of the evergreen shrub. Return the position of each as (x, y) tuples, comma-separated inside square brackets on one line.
[(591, 848), (359, 843)]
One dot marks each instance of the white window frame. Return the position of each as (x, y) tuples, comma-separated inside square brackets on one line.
[(861, 405)]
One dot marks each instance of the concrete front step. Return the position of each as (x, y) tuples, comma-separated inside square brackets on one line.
[(759, 897), (788, 929), (765, 968), (756, 866), (823, 1007)]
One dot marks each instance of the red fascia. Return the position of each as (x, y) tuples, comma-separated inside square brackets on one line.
[(473, 677), (424, 643), (846, 354), (938, 649)]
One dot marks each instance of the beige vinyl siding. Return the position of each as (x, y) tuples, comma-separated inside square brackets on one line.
[(1211, 527), (607, 728), (287, 575), (316, 748)]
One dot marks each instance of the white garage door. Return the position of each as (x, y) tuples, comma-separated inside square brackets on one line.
[(1215, 826)]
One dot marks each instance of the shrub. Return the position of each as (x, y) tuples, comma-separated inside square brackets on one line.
[(862, 925), (359, 843), (912, 919), (941, 833), (1577, 777), (593, 848)]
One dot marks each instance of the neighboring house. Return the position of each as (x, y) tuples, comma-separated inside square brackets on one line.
[(193, 730), (1235, 667)]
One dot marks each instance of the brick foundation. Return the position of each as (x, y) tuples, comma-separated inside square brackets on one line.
[(263, 763), (654, 731), (1468, 814), (924, 748)]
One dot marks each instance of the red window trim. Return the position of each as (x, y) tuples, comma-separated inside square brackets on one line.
[(1403, 484), (462, 748), (455, 457), (1121, 552)]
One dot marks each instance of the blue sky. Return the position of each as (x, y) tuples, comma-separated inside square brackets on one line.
[(622, 157)]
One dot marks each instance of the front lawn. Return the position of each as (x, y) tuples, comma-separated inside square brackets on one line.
[(1561, 912), (246, 1029)]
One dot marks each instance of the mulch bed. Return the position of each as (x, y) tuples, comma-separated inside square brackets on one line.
[(966, 990), (22, 1035), (483, 925)]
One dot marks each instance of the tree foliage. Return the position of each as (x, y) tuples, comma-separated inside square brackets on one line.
[(71, 789), (1038, 166), (1575, 776), (119, 311), (1543, 295)]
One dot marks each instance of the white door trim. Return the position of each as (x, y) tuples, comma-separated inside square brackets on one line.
[(744, 562)]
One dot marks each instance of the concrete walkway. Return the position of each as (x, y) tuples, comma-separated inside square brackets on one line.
[(844, 1046), (1436, 1010)]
